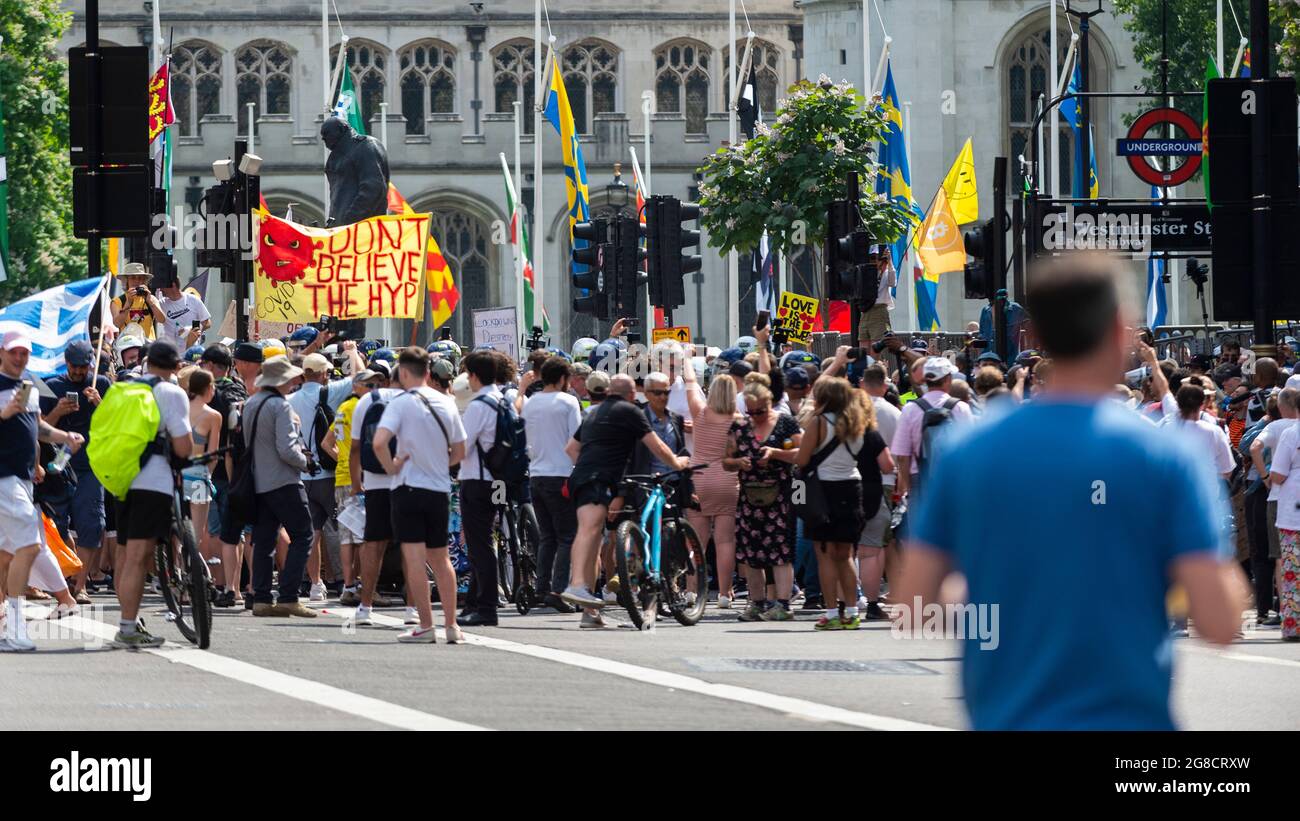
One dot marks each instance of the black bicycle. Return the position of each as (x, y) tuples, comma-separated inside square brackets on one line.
[(517, 541), (183, 575), (659, 556)]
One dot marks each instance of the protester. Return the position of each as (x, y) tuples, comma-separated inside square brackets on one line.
[(340, 440), (137, 311), (205, 428), (478, 510), (371, 483), (186, 316), (716, 487)]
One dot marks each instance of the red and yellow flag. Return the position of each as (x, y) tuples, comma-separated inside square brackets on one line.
[(443, 295)]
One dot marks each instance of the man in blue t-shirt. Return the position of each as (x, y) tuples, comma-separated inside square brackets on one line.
[(79, 503), (1110, 511)]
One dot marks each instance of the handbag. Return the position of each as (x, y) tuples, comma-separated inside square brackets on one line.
[(242, 491), (811, 505), (69, 564), (760, 494)]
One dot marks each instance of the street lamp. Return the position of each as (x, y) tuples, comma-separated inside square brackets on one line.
[(1082, 11), (616, 192)]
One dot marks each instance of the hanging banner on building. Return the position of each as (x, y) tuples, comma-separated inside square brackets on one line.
[(372, 268), (497, 328), (796, 315)]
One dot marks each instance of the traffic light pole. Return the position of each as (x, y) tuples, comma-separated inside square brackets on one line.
[(1261, 202), (998, 276), (242, 267), (855, 308)]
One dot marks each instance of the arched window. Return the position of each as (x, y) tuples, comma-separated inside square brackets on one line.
[(466, 244), (195, 84), (428, 82), (590, 70), (368, 63), (682, 81), (513, 65), (264, 77), (767, 65)]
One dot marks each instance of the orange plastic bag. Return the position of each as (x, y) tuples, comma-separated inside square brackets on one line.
[(69, 564)]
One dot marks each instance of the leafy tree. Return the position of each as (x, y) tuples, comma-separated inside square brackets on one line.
[(33, 88)]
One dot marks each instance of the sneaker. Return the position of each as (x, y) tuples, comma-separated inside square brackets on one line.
[(609, 596), (417, 635), (724, 602), (295, 608), (1270, 621), (349, 598), (362, 616), (851, 622), (226, 598), (264, 609), (591, 621), (381, 601), (581, 597), (16, 645), (137, 640), (754, 612), (559, 604), (317, 592), (862, 603), (874, 612), (455, 635), (412, 616), (777, 612), (813, 603), (828, 624)]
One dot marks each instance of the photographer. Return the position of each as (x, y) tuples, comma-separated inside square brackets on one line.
[(137, 305), (186, 317)]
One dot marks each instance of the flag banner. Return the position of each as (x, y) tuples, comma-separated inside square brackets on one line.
[(1211, 73), (52, 319), (199, 285), (346, 106), (444, 296), (938, 242), (839, 317), (959, 185), (926, 292), (4, 198), (160, 101), (372, 268), (1070, 106), (1156, 297), (895, 178), (765, 276), (522, 251), (797, 315), (560, 116)]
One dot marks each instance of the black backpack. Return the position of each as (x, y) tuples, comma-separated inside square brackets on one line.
[(369, 461), (932, 420), (508, 457), (324, 420)]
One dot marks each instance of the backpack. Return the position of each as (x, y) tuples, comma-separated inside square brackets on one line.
[(321, 424), (124, 433), (369, 461), (508, 457), (932, 419)]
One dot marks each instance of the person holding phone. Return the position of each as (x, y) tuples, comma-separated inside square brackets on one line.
[(137, 305), (186, 316)]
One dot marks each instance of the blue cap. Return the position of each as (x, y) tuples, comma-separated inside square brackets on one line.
[(306, 335), (78, 354), (606, 349), (194, 354), (732, 355), (386, 354), (989, 356), (796, 377), (560, 352)]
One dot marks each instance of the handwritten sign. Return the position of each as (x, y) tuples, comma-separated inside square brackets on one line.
[(797, 314), (372, 268), (681, 334), (497, 328)]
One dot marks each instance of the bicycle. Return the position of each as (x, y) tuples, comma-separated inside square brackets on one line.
[(517, 541), (673, 570), (183, 577)]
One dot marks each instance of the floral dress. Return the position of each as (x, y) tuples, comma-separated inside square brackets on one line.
[(763, 528)]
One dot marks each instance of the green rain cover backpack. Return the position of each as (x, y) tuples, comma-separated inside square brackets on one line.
[(123, 433)]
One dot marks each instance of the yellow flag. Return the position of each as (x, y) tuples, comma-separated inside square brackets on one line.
[(960, 187), (938, 241)]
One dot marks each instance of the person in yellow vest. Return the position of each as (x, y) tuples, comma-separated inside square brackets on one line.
[(137, 305)]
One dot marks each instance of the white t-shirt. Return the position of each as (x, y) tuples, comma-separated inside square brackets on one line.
[(1210, 441), (550, 420), (1270, 437), (887, 422), (420, 438), (1287, 462), (174, 413), (371, 481), (480, 432), (181, 314)]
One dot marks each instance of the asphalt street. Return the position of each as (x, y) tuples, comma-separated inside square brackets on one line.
[(542, 672)]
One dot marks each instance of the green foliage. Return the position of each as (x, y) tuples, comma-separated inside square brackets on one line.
[(33, 88), (784, 178)]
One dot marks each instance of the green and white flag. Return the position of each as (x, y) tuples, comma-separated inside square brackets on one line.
[(522, 253), (4, 200), (347, 106)]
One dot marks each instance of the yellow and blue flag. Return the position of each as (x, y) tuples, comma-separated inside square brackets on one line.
[(895, 179), (1070, 111), (560, 115)]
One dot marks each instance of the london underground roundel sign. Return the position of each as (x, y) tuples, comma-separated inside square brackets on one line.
[(1138, 148)]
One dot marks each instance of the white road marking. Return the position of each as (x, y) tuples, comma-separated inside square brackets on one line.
[(1234, 656), (798, 707), (302, 689)]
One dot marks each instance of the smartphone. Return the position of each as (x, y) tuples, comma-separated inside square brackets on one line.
[(24, 392), (631, 321), (764, 317), (74, 396), (196, 324), (855, 354), (444, 332)]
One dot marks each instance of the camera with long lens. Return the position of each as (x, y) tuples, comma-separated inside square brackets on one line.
[(878, 347), (535, 341)]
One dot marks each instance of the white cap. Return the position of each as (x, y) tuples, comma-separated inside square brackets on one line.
[(16, 339), (936, 368)]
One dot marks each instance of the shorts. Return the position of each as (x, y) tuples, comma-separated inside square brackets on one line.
[(593, 492), (84, 510), (320, 500), (216, 510), (20, 524), (875, 533), (874, 323), (379, 515), (420, 515), (231, 528), (342, 494), (146, 514), (844, 503)]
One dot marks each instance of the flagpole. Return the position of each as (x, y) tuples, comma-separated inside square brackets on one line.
[(1054, 80), (539, 236), (866, 52), (249, 107), (647, 103), (325, 95), (733, 261), (518, 218), (1218, 36), (383, 124), (905, 262)]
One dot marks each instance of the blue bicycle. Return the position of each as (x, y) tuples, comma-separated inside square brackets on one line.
[(668, 566)]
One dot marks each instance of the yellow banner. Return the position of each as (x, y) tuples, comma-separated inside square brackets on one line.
[(939, 241), (796, 314), (373, 268)]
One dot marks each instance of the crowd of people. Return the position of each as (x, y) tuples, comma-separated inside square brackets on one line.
[(413, 453)]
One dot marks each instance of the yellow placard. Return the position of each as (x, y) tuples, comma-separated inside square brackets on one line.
[(681, 333), (796, 314), (372, 268)]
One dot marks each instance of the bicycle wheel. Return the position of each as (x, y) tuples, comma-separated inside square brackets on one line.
[(505, 561), (686, 574), (526, 582), (175, 590), (636, 593), (199, 586)]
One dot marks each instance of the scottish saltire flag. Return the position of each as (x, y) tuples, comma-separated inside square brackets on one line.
[(1070, 105), (765, 277), (895, 178), (1070, 111), (51, 319), (560, 116)]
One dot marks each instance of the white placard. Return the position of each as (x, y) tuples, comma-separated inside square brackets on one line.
[(497, 328)]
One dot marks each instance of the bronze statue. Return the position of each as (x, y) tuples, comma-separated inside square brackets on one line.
[(357, 170)]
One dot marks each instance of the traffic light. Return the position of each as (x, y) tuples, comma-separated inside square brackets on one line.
[(628, 255), (667, 239), (841, 220), (978, 274), (591, 263)]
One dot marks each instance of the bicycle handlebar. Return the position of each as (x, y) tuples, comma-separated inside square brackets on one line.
[(661, 478), (191, 461)]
